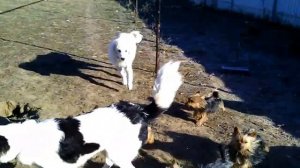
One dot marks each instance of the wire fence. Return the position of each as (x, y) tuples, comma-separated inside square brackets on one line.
[(280, 11)]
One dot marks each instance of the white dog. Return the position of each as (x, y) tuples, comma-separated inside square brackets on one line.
[(122, 51), (120, 129)]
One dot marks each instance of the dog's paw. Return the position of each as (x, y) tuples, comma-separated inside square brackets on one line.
[(124, 82), (129, 86)]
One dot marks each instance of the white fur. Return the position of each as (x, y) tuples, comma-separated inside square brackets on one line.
[(167, 82), (38, 142), (124, 47)]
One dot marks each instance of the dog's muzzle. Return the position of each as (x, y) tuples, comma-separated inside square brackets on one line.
[(122, 59)]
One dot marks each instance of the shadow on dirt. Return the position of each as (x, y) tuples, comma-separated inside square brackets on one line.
[(146, 162), (189, 148), (179, 110), (92, 164), (282, 156), (216, 38), (63, 64), (54, 50), (7, 165)]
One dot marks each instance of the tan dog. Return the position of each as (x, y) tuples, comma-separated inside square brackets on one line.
[(246, 149), (197, 103), (203, 105)]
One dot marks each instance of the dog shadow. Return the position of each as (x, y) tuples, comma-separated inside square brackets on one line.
[(63, 64), (195, 149), (4, 121), (179, 110), (282, 156), (7, 165), (146, 161), (93, 164)]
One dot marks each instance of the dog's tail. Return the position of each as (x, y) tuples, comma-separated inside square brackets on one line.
[(166, 84)]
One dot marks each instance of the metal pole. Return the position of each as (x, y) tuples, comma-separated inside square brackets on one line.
[(158, 8), (136, 10), (274, 11), (232, 5)]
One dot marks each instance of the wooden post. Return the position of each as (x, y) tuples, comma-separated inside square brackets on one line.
[(158, 8)]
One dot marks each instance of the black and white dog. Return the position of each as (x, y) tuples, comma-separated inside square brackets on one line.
[(120, 129)]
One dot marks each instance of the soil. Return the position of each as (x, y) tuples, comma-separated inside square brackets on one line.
[(54, 56)]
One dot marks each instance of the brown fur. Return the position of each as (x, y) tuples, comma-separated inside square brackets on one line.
[(200, 117), (197, 103), (243, 146), (214, 102), (201, 105), (150, 136)]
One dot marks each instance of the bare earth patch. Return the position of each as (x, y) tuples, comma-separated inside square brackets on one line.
[(54, 56)]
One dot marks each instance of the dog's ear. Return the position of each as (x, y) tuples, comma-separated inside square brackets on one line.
[(252, 133), (118, 34), (137, 36), (236, 131)]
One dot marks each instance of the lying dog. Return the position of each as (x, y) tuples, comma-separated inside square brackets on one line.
[(122, 51), (119, 129), (203, 105), (246, 149)]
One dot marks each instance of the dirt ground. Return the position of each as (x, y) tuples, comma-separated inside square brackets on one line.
[(54, 56)]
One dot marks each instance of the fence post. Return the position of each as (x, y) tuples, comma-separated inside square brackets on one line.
[(232, 5), (136, 11), (274, 11), (158, 8)]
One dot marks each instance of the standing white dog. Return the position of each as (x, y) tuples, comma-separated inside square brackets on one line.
[(122, 51)]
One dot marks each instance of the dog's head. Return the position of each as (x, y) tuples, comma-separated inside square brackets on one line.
[(247, 148), (196, 101), (243, 143), (124, 45), (214, 102)]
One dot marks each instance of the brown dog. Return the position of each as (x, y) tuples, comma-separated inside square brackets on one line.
[(198, 103), (201, 105), (246, 149)]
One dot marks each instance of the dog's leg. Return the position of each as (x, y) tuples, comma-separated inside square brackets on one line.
[(124, 75), (9, 156), (125, 153), (127, 165), (108, 163), (129, 72), (202, 118)]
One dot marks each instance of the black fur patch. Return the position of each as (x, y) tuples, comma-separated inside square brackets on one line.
[(4, 146), (143, 134), (135, 113), (140, 114), (73, 144), (153, 110)]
